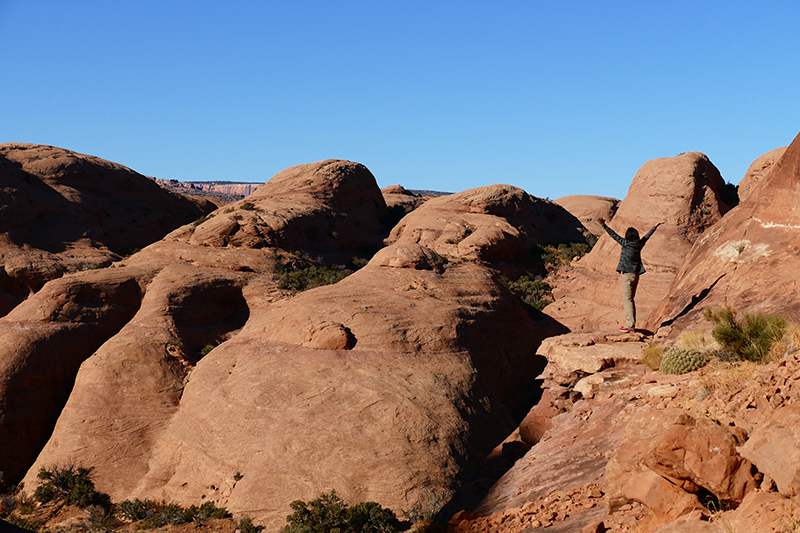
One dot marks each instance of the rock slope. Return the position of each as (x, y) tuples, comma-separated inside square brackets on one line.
[(64, 212), (396, 380), (685, 192)]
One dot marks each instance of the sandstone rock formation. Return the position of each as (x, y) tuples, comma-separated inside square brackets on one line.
[(757, 170), (588, 209), (475, 224), (683, 190), (399, 198), (63, 212), (399, 378), (639, 449), (748, 260)]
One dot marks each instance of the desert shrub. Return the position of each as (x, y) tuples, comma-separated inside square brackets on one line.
[(751, 339), (71, 483), (246, 525), (427, 506), (681, 361), (308, 278), (555, 256), (534, 292), (158, 514), (205, 350), (248, 206), (136, 510), (358, 263), (328, 513), (652, 356)]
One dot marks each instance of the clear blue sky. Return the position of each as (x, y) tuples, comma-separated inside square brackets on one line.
[(558, 98)]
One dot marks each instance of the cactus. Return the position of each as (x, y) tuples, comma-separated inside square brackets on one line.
[(681, 361)]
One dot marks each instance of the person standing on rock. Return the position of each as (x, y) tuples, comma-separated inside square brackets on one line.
[(630, 266)]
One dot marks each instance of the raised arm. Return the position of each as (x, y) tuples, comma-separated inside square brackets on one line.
[(649, 233), (610, 231)]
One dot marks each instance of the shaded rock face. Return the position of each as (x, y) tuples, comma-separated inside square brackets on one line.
[(399, 378), (683, 190), (749, 258), (63, 211), (588, 209)]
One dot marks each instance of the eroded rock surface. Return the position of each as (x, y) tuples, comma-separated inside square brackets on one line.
[(588, 209), (747, 260), (685, 192)]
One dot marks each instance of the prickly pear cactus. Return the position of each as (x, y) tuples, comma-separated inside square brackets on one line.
[(681, 361)]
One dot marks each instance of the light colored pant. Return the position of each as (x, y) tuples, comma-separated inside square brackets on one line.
[(629, 283)]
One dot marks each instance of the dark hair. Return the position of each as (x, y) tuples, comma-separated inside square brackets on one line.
[(631, 234)]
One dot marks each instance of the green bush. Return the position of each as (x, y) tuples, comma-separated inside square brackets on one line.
[(329, 514), (246, 525), (751, 339), (159, 514), (534, 292), (681, 361), (563, 254), (308, 278), (71, 483)]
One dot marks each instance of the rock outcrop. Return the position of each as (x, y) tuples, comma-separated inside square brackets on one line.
[(588, 209), (400, 378), (748, 259), (757, 170), (683, 190), (64, 212)]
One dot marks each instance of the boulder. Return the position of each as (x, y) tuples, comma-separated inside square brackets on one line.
[(668, 456), (748, 260), (588, 209), (773, 448), (683, 190), (64, 212)]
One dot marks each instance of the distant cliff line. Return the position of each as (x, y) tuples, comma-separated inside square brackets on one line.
[(231, 191)]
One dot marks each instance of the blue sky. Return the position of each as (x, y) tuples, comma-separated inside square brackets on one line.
[(558, 98)]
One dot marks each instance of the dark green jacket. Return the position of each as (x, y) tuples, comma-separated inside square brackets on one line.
[(630, 258)]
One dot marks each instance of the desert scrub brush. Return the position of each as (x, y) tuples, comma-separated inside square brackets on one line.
[(681, 361)]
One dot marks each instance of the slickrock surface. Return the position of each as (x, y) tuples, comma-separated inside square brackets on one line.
[(398, 379), (64, 212), (588, 209), (757, 170), (475, 224), (748, 260), (685, 192)]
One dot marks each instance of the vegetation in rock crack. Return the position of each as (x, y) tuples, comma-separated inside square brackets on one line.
[(534, 292), (680, 361), (751, 338), (71, 483), (328, 513)]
